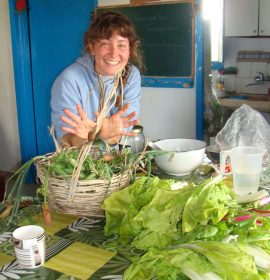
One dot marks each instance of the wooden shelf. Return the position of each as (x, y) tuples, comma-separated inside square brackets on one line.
[(260, 105)]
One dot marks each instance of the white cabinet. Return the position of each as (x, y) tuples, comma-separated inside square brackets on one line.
[(264, 18), (247, 18)]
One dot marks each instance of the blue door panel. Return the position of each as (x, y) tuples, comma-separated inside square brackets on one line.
[(23, 81), (56, 40)]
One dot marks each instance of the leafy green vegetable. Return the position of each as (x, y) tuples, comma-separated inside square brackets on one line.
[(150, 214), (204, 220), (217, 232), (167, 264), (200, 260), (123, 206), (209, 202), (231, 260), (261, 258)]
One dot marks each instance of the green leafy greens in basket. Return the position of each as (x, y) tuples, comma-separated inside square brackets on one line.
[(107, 165), (101, 165)]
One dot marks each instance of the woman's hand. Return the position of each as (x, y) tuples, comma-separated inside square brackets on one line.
[(81, 126), (112, 128)]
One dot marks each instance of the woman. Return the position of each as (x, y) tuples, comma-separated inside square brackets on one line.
[(80, 92)]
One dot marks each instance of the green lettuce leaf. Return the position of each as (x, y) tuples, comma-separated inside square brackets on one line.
[(164, 211), (122, 206), (167, 264), (210, 202), (208, 232), (231, 259), (153, 239)]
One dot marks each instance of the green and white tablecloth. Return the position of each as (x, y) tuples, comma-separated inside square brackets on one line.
[(75, 249)]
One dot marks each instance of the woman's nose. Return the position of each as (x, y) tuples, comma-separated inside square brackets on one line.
[(114, 50)]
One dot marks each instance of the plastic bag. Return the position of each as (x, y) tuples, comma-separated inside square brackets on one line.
[(245, 127)]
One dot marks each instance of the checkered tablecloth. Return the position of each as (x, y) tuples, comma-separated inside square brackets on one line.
[(75, 249)]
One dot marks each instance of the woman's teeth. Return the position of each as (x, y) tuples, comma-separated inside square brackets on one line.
[(112, 62)]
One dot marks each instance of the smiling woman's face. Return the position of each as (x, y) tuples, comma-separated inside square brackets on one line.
[(110, 54)]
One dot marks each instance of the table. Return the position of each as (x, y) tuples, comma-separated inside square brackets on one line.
[(76, 249)]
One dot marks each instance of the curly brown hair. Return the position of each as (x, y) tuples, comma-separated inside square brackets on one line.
[(103, 27)]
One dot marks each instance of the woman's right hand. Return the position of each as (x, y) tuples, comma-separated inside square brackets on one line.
[(80, 125)]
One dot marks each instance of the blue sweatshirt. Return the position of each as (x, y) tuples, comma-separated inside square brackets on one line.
[(78, 84)]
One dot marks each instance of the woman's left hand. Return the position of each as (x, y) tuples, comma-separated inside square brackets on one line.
[(113, 127)]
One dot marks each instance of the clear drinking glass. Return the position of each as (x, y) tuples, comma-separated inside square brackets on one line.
[(136, 142)]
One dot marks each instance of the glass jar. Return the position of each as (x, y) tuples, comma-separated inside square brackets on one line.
[(136, 142)]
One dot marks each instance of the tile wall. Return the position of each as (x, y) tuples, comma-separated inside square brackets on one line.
[(231, 48), (244, 80), (247, 71)]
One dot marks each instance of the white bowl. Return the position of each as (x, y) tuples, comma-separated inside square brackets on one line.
[(187, 155)]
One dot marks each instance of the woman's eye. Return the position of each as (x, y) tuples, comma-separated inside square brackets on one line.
[(104, 44), (122, 46)]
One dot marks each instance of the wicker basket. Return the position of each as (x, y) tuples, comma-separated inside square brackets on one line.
[(89, 193)]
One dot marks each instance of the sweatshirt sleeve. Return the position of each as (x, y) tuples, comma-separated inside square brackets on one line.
[(65, 95)]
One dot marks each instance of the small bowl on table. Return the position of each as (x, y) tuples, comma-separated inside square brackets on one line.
[(181, 156)]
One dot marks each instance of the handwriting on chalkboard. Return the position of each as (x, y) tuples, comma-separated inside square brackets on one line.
[(159, 17), (162, 28), (171, 45)]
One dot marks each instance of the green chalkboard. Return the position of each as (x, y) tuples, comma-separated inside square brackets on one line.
[(166, 35)]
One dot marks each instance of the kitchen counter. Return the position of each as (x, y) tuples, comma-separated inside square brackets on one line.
[(260, 102)]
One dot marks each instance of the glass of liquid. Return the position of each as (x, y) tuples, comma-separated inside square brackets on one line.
[(246, 165)]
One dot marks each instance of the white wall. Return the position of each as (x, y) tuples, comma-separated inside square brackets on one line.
[(168, 113), (231, 47), (9, 137)]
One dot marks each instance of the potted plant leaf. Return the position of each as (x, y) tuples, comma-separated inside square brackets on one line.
[(43, 191)]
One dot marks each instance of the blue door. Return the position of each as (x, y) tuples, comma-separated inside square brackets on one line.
[(56, 40), (47, 37)]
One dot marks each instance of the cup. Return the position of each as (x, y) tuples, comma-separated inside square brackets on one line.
[(29, 246), (246, 166)]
